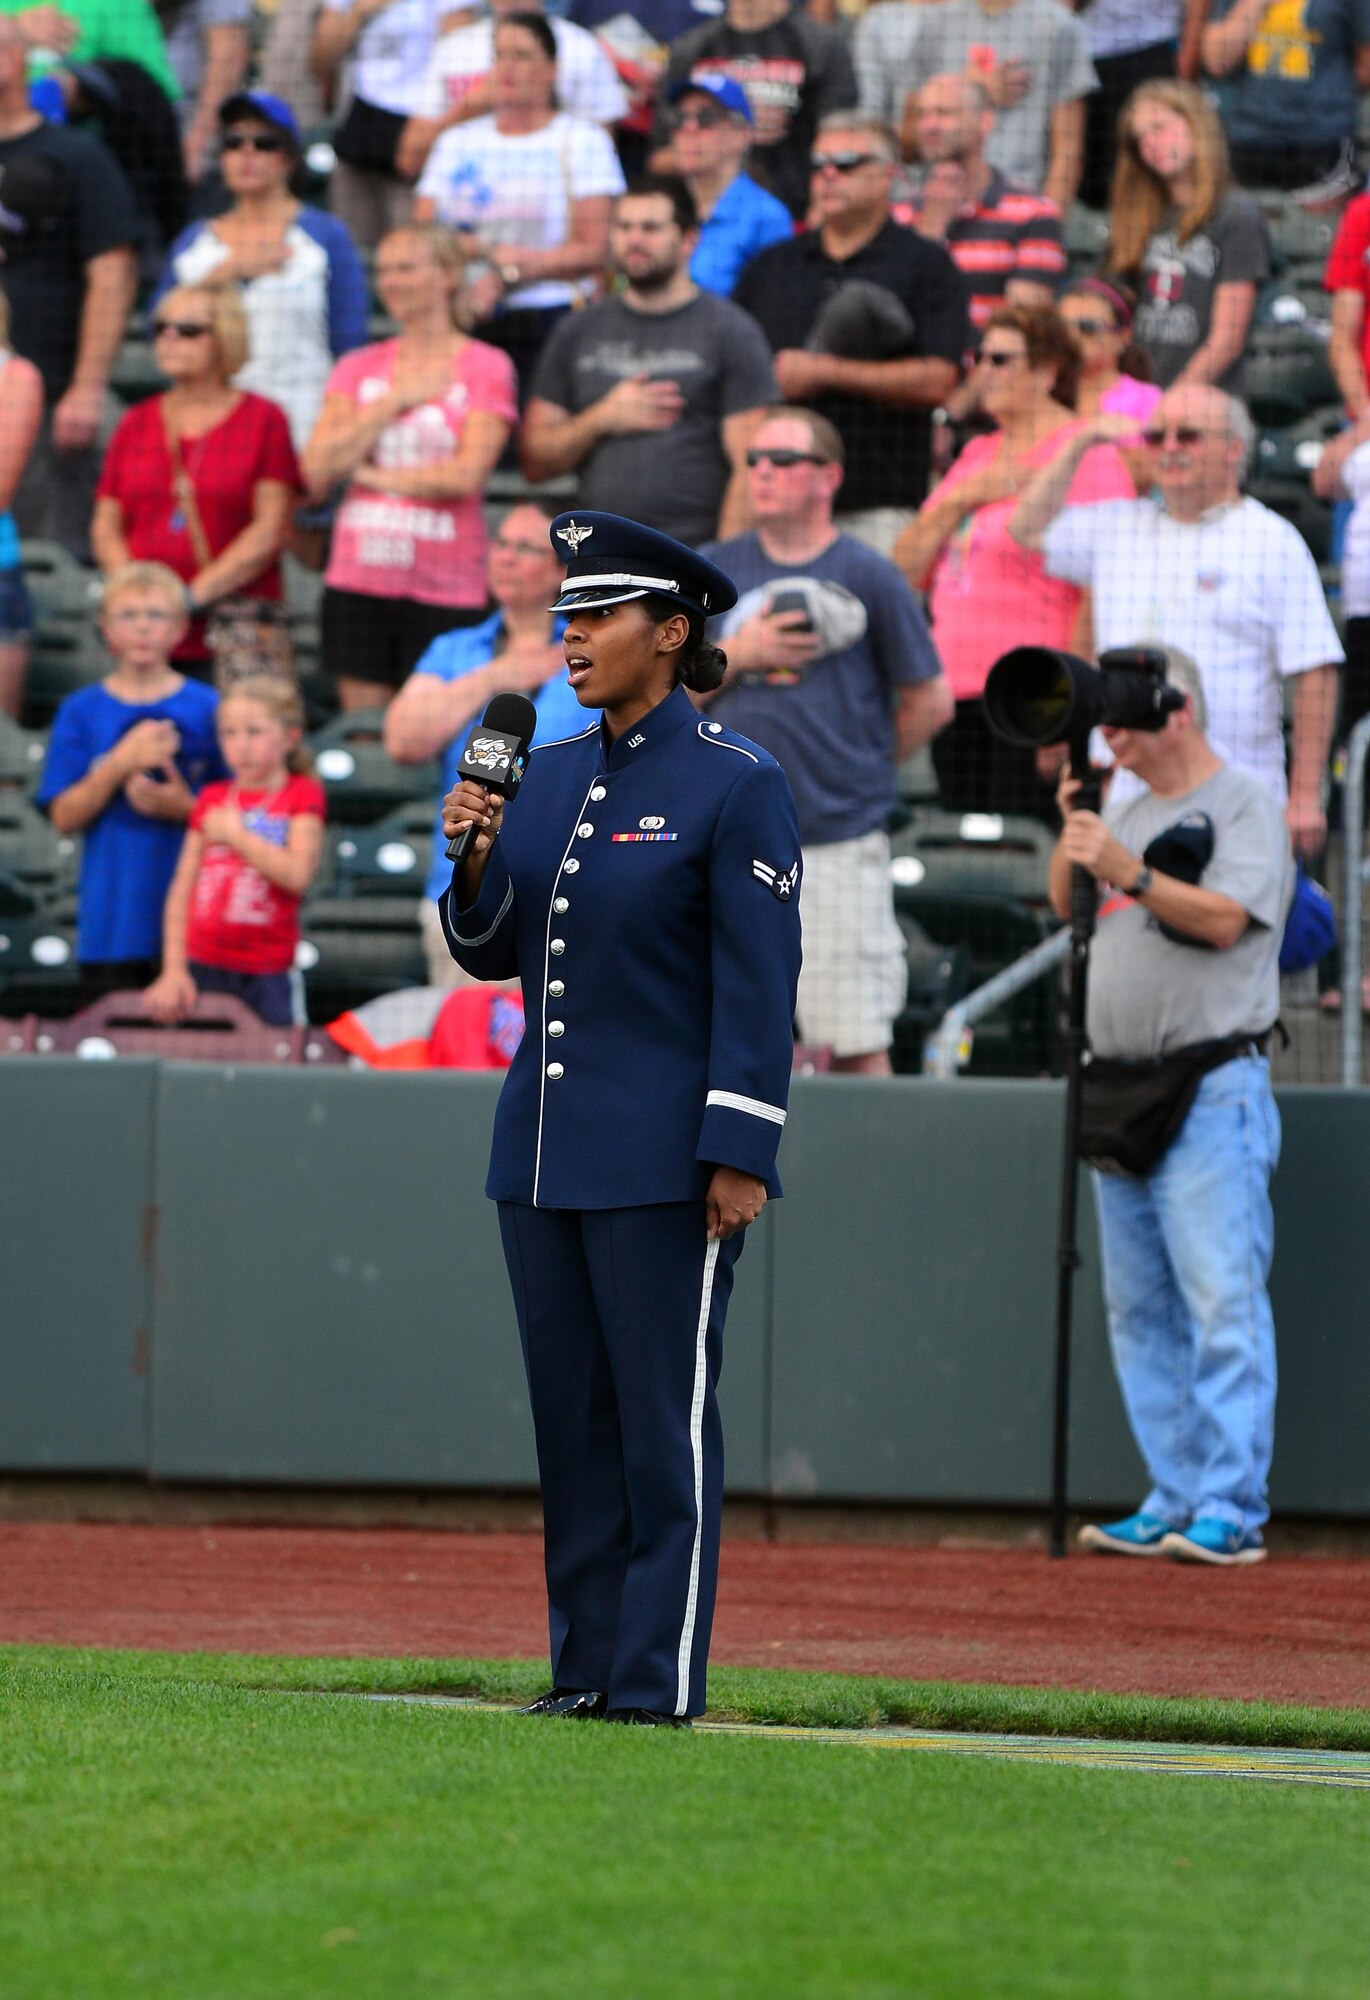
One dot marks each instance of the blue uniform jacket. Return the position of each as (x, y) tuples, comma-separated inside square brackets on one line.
[(647, 893)]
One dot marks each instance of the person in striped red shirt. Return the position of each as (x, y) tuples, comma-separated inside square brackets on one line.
[(1005, 239)]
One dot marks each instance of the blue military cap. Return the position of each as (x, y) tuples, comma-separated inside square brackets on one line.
[(610, 560)]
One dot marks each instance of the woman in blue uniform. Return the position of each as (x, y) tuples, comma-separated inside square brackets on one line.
[(643, 884)]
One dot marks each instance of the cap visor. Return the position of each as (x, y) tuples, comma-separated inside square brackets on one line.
[(589, 597)]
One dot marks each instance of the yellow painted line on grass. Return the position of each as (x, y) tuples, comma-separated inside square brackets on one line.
[(1295, 1767)]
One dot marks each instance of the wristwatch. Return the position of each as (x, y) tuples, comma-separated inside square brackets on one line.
[(1142, 883)]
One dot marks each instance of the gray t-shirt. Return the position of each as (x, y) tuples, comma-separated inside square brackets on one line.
[(959, 35), (1177, 281), (185, 42), (717, 356), (1149, 996)]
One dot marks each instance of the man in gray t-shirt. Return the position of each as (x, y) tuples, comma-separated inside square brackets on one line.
[(1182, 958), (653, 394), (1032, 58)]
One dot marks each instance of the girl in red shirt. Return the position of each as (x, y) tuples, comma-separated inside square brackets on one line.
[(252, 846)]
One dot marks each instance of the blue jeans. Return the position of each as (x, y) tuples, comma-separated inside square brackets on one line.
[(1186, 1255)]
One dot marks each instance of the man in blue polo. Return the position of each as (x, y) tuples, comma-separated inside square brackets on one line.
[(711, 135)]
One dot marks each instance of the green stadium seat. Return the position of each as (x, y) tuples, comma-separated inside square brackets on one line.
[(1301, 507), (66, 655), (1022, 1038), (21, 756), (37, 954), (360, 777), (1286, 301), (1293, 453), (1287, 374), (354, 948), (1296, 236), (60, 587), (1085, 234), (32, 851), (939, 976), (135, 375), (972, 853), (383, 860)]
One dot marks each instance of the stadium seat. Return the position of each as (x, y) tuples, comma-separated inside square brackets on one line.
[(21, 756), (360, 777), (1296, 236), (37, 954), (1300, 506), (60, 586), (939, 976), (1085, 235), (1287, 301), (972, 853), (992, 930), (67, 654), (1287, 374), (135, 375), (32, 850), (391, 859), (1293, 453), (354, 948)]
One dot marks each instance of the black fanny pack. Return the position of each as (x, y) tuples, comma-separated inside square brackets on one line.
[(1133, 1112), (368, 137)]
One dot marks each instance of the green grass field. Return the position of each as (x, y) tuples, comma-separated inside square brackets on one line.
[(169, 1830)]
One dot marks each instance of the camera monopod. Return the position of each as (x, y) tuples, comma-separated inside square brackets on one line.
[(1034, 696)]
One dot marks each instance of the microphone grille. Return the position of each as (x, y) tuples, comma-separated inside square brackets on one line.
[(511, 715)]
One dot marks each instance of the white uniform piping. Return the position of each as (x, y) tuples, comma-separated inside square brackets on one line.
[(687, 1635), (485, 936), (756, 1107), (717, 743)]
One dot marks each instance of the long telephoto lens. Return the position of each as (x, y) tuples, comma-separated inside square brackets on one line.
[(1037, 694)]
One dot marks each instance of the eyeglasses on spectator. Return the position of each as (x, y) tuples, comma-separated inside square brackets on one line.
[(842, 163), (1183, 434), (255, 142), (184, 329), (782, 459), (707, 118)]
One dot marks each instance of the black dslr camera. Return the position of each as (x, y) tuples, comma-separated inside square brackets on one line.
[(1037, 695)]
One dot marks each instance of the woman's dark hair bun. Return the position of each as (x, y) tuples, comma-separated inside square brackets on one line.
[(704, 667)]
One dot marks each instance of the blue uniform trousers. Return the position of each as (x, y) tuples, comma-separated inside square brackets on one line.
[(620, 1313)]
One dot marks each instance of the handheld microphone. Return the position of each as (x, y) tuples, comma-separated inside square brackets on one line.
[(496, 756)]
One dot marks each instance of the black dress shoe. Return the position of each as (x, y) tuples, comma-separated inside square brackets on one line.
[(647, 1718), (581, 1703)]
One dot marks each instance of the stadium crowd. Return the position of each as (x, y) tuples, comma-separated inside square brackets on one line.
[(331, 291)]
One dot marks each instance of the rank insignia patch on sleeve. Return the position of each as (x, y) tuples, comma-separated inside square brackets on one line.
[(781, 883)]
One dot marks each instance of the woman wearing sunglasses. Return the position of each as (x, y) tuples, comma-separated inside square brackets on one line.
[(986, 592), (296, 269), (1114, 372), (203, 477)]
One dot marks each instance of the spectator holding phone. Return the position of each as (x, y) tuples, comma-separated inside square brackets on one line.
[(830, 668), (125, 759)]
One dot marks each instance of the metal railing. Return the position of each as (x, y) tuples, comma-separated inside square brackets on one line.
[(947, 1048), (1353, 891)]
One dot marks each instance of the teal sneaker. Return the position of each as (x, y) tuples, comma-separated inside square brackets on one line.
[(1210, 1541), (1138, 1535)]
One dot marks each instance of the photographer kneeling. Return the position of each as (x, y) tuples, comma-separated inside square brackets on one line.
[(1196, 878)]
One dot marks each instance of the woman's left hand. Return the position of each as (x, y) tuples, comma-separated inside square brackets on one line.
[(734, 1199)]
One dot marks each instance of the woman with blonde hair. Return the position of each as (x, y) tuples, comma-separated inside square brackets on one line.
[(203, 477), (1191, 245), (413, 427), (21, 413)]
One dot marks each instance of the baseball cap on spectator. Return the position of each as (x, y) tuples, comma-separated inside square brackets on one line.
[(723, 90), (263, 104)]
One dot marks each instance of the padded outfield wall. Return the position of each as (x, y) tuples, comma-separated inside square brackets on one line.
[(292, 1277)]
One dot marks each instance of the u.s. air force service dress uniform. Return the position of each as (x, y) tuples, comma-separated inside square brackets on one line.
[(646, 892)]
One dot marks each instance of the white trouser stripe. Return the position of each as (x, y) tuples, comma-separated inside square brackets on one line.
[(687, 1636), (730, 1100)]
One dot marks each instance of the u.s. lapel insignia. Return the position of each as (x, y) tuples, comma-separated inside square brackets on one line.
[(573, 535), (781, 882)]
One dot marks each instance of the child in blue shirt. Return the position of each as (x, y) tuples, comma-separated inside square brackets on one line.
[(125, 760)]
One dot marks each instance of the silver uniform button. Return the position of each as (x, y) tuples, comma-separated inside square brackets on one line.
[(556, 1028), (715, 729), (560, 905), (571, 868), (585, 829), (598, 793), (557, 947), (555, 1071), (557, 988)]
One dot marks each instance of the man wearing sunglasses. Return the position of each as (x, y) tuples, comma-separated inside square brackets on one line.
[(868, 325), (831, 669), (711, 124), (1198, 565)]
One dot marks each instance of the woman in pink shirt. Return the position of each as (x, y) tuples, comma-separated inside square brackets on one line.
[(414, 426), (1098, 312), (986, 592)]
